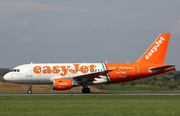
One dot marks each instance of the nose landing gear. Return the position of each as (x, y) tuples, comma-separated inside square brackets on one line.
[(29, 91)]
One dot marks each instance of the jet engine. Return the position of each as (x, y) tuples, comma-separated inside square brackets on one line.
[(63, 84)]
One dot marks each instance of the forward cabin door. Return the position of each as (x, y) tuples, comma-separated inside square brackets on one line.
[(135, 70), (28, 71)]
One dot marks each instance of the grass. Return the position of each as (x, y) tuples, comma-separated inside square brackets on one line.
[(135, 88), (88, 105)]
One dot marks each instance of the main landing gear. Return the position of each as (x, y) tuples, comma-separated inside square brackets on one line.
[(29, 91), (86, 90)]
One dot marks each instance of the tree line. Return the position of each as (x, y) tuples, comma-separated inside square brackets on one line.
[(170, 79), (3, 71)]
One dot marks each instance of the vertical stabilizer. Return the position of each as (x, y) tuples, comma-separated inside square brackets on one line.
[(157, 51)]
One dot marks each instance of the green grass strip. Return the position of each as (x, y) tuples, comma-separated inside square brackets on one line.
[(88, 105)]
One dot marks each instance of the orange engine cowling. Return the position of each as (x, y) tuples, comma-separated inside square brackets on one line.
[(62, 84)]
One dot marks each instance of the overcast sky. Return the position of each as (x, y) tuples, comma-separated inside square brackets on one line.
[(59, 31)]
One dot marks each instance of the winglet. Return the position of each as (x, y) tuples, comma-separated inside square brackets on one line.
[(157, 51)]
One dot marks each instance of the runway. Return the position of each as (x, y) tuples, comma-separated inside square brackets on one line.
[(96, 93)]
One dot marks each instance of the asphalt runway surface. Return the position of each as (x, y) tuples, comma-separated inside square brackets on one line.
[(97, 93)]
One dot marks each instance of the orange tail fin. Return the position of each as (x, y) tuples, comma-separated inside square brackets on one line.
[(157, 51)]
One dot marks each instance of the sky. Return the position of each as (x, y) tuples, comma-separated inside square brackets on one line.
[(81, 31)]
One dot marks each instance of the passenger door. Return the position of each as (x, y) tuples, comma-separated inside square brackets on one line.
[(28, 71)]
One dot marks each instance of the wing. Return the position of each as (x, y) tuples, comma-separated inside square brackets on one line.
[(91, 76), (84, 78)]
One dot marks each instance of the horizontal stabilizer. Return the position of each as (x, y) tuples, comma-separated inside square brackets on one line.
[(161, 68)]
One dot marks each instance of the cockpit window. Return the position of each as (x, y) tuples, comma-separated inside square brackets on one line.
[(15, 70)]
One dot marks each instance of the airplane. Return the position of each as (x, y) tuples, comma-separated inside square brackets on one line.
[(64, 76)]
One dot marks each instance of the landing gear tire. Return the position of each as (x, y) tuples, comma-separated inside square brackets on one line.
[(29, 91), (86, 90)]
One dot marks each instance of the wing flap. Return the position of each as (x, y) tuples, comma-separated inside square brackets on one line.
[(94, 74)]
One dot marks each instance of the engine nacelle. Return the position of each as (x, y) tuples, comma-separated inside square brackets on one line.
[(63, 84)]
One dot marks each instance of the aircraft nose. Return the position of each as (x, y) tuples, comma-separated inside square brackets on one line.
[(6, 77)]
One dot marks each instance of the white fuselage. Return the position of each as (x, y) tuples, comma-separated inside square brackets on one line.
[(46, 73)]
